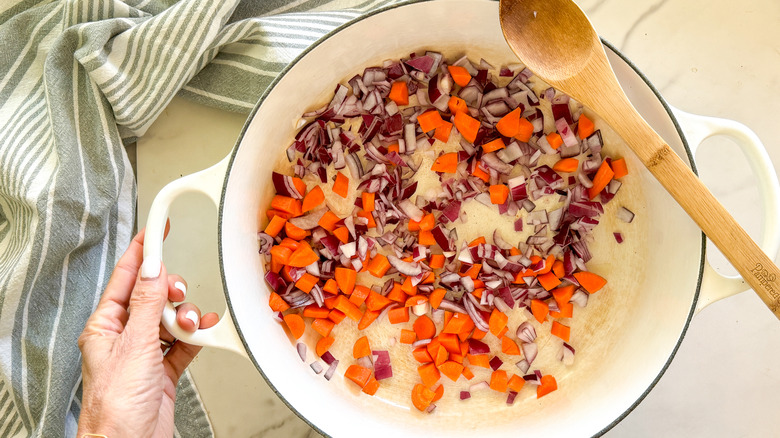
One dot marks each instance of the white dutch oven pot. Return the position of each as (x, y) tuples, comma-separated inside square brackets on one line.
[(627, 336)]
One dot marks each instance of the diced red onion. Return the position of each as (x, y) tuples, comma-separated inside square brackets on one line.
[(478, 347), (265, 242), (530, 350), (284, 186), (495, 363), (301, 350), (580, 298), (566, 354), (625, 215), (618, 237), (526, 332), (406, 268), (523, 365), (465, 395), (510, 398), (479, 386), (331, 370)]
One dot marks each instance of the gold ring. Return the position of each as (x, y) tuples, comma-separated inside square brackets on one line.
[(167, 344)]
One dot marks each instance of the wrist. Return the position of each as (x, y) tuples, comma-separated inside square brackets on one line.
[(95, 423)]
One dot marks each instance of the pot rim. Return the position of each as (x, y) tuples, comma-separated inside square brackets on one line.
[(329, 35)]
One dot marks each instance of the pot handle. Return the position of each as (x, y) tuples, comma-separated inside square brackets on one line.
[(697, 128), (209, 182)]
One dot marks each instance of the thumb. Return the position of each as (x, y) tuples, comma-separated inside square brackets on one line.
[(147, 301)]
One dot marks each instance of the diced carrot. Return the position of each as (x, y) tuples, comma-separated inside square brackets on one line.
[(479, 360), (359, 295), (479, 173), (323, 326), (425, 237), (341, 185), (294, 232), (277, 303), (467, 373), (407, 286), (422, 397), (299, 185), (396, 294), (585, 127), (398, 315), (618, 167), (467, 126), (455, 323), (436, 297), (330, 303), (408, 336), (369, 217), (473, 271), (509, 125), (286, 204), (441, 356), (589, 281), (429, 374), (422, 355), (548, 385), (563, 294), (477, 241), (565, 310), (450, 342), (446, 163), (271, 213), (424, 327), (342, 233), (566, 165), (539, 309), (274, 226), (509, 346), (442, 133), (433, 347), (428, 222), (415, 300), (376, 301), (451, 369), (303, 256), (345, 278), (306, 282), (549, 281), (478, 334), (499, 381), (394, 148), (497, 321), (499, 193), (457, 105), (358, 374), (379, 266), (459, 75), (493, 146), (558, 269), (525, 130), (555, 140), (439, 391), (372, 386), (349, 309), (368, 201), (603, 176), (369, 316), (313, 199), (331, 287), (295, 324), (361, 348), (315, 311), (516, 383), (560, 330), (413, 225), (430, 120), (436, 261), (328, 221), (290, 243), (399, 93), (281, 254), (324, 345)]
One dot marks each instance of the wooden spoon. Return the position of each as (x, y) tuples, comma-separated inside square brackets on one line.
[(556, 41)]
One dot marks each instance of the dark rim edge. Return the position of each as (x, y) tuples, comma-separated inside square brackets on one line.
[(306, 52)]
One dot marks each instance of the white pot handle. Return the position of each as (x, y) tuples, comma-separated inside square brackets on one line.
[(698, 128), (209, 182)]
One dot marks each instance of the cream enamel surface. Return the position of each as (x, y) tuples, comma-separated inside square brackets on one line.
[(636, 423)]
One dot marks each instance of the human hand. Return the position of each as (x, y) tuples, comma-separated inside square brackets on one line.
[(129, 378)]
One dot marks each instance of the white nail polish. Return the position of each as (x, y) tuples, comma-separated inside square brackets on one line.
[(192, 316), (150, 269), (181, 286)]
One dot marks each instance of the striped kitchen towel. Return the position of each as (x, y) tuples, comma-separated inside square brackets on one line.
[(79, 79)]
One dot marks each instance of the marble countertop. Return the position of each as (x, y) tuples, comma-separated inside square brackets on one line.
[(718, 58)]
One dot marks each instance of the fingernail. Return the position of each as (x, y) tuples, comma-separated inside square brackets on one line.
[(192, 316), (150, 269), (181, 286)]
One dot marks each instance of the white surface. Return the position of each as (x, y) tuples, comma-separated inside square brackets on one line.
[(714, 59)]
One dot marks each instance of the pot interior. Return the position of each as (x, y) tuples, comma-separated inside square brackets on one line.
[(624, 337)]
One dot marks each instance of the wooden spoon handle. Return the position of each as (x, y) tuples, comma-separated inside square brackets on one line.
[(758, 270)]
